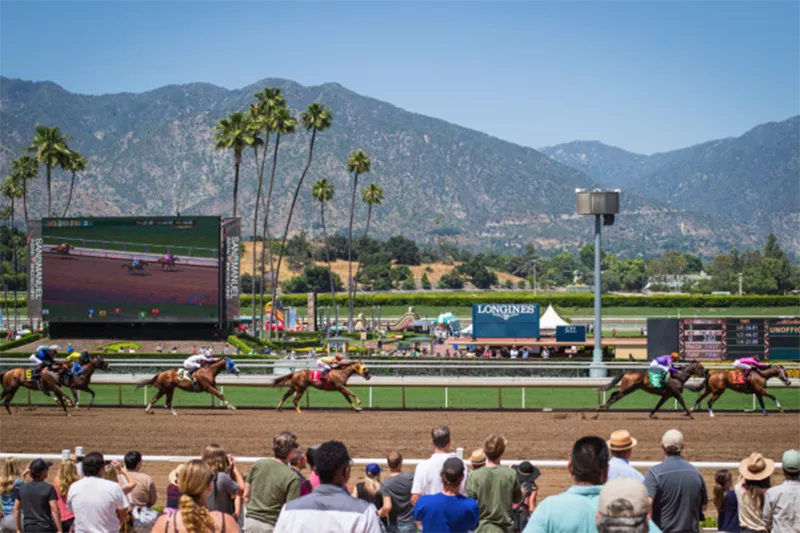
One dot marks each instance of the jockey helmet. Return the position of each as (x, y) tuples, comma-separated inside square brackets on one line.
[(338, 357), (675, 355)]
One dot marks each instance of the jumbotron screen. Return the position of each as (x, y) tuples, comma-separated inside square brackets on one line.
[(131, 269)]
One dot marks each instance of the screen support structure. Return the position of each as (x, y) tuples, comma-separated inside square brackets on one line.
[(597, 354)]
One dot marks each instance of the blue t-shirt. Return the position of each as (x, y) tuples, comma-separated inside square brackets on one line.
[(440, 513)]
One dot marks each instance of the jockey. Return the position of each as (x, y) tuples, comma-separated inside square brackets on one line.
[(197, 361), (43, 357), (327, 363), (665, 363), (76, 359), (170, 257), (136, 262), (747, 363)]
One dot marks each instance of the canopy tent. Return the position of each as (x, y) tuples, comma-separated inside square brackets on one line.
[(467, 331), (421, 323), (448, 320), (550, 319)]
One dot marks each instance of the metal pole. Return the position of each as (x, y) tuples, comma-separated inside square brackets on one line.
[(597, 356)]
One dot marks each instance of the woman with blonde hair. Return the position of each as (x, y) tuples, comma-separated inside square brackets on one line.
[(66, 476), (369, 490), (755, 472), (193, 516), (11, 477), (227, 485)]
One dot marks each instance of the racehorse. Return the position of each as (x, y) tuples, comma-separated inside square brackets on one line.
[(64, 248), (205, 380), (81, 382), (716, 383), (167, 264), (672, 388), (134, 268), (336, 380), (13, 379)]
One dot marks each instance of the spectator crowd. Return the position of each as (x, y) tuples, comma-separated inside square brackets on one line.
[(313, 491)]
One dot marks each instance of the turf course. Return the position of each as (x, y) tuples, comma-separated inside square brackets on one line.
[(419, 398)]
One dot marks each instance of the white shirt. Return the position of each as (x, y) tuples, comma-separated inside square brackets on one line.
[(428, 478), (514, 354), (95, 502)]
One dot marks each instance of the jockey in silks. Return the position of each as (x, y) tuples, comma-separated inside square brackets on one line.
[(327, 363), (746, 364), (76, 359), (136, 263), (43, 357), (170, 258), (197, 361), (665, 363)]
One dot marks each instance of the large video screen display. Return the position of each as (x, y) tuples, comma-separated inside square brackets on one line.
[(131, 269)]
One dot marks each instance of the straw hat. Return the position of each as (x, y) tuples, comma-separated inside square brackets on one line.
[(478, 458), (621, 440), (756, 467)]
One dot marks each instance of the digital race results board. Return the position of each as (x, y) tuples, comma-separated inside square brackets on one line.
[(732, 338)]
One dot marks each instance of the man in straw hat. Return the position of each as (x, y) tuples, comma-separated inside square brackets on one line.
[(477, 459), (676, 488), (782, 503), (621, 445), (755, 470)]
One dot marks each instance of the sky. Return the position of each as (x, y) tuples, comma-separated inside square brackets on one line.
[(644, 76)]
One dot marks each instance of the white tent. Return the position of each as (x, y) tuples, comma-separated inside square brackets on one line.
[(550, 320), (467, 331)]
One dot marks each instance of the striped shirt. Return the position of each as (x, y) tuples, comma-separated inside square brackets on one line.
[(329, 509)]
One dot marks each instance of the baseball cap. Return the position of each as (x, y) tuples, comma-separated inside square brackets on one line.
[(453, 466), (672, 441), (373, 469), (623, 497), (38, 466), (791, 460)]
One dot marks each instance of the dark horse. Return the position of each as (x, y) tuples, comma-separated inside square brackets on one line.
[(63, 249), (205, 380), (673, 388), (138, 267), (336, 380), (81, 382), (13, 379), (716, 383), (167, 264)]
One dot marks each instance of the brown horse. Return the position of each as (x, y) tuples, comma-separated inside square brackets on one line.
[(336, 380), (716, 383), (673, 388), (21, 377), (167, 264), (205, 380), (81, 382)]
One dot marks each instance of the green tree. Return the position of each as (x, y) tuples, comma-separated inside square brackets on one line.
[(323, 192), (408, 284), (320, 278), (358, 163), (12, 189), (451, 280), (694, 265), (404, 251), (75, 163), (371, 195), (631, 273), (51, 150), (777, 265), (587, 256), (483, 278), (235, 133), (25, 168), (522, 284), (425, 282)]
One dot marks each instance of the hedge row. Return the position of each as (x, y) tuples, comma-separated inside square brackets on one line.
[(25, 339), (564, 300)]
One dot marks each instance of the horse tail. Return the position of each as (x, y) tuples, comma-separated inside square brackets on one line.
[(147, 382), (283, 380), (703, 385), (612, 384)]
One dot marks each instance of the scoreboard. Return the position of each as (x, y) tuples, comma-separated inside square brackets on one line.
[(732, 338)]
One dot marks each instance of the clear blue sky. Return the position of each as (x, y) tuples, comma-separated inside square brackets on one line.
[(644, 76)]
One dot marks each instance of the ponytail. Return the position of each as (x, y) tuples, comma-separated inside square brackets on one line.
[(195, 518)]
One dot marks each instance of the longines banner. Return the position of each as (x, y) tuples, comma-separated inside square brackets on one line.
[(35, 269), (505, 321), (232, 238)]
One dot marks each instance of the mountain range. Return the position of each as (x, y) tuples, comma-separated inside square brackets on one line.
[(153, 153)]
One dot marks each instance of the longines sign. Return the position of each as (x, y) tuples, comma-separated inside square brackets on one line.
[(505, 321)]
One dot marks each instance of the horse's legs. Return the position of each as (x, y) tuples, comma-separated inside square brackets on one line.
[(658, 405), (774, 399), (761, 403), (679, 397), (169, 394), (8, 394), (713, 399), (61, 400), (285, 397), (348, 392), (149, 407), (90, 391), (296, 401), (74, 392), (615, 397), (221, 397), (700, 398)]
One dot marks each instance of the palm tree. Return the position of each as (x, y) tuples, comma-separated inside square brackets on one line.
[(357, 163), (51, 151), (12, 189), (316, 118), (25, 168), (75, 163), (371, 195), (282, 122), (235, 133), (324, 191)]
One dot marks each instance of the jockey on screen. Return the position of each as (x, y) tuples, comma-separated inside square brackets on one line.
[(327, 363), (747, 363), (196, 361), (665, 363)]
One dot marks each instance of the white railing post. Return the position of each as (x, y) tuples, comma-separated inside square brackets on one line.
[(145, 395), (370, 396), (523, 397), (446, 398)]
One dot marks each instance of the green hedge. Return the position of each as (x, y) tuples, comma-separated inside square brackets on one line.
[(236, 342), (563, 300), (31, 337)]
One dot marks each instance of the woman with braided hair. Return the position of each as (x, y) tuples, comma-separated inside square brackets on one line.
[(193, 516)]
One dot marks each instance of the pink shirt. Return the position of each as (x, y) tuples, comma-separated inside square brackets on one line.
[(63, 512), (752, 361), (314, 479)]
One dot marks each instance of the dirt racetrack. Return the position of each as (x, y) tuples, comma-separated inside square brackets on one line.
[(728, 437)]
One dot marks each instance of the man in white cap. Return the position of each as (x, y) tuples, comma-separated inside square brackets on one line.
[(621, 445), (676, 488), (623, 507), (781, 512)]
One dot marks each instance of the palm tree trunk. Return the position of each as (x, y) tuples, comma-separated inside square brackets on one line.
[(327, 253), (369, 217), (273, 280), (69, 198), (25, 201), (49, 210), (291, 212), (350, 281), (259, 203), (235, 182), (255, 240), (16, 270)]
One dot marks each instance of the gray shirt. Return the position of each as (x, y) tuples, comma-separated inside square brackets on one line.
[(782, 507), (223, 491), (398, 488), (678, 492)]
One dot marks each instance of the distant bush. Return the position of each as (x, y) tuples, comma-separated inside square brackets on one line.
[(22, 341)]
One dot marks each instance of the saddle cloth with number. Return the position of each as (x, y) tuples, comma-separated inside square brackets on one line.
[(737, 378), (657, 379)]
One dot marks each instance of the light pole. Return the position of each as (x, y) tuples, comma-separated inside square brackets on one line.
[(603, 205)]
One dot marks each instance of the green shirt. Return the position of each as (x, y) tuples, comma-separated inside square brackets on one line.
[(272, 484), (496, 489)]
